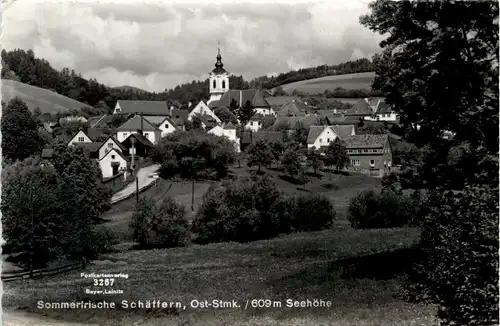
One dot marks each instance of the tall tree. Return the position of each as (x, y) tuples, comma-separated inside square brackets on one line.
[(20, 137), (336, 155), (315, 160), (439, 69), (259, 154), (246, 112), (225, 115)]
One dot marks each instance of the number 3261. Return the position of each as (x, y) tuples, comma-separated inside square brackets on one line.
[(104, 281)]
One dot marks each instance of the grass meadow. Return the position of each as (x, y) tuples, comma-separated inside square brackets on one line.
[(320, 85), (359, 271)]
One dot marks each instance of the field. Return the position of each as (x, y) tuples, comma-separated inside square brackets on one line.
[(359, 271), (319, 85), (46, 100)]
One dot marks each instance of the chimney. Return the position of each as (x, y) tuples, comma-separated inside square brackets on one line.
[(142, 125), (189, 104)]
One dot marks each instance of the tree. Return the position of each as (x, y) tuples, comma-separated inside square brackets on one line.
[(196, 123), (225, 115), (277, 148), (336, 155), (246, 112), (315, 160), (292, 162), (20, 138), (279, 91), (439, 69), (84, 176), (259, 154), (234, 106), (300, 133)]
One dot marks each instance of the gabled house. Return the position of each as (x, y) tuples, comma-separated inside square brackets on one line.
[(292, 122), (138, 124), (80, 137), (295, 108), (229, 131), (137, 144), (242, 97), (322, 136), (255, 123), (100, 121), (370, 154), (362, 109), (385, 112), (202, 109), (111, 143), (112, 163)]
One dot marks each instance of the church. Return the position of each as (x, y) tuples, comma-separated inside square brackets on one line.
[(222, 95)]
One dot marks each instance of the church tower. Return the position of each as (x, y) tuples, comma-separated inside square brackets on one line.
[(219, 80)]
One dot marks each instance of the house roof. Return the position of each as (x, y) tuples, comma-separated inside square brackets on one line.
[(80, 130), (366, 141), (156, 119), (384, 108), (208, 120), (116, 141), (257, 117), (229, 125), (95, 133), (91, 147), (99, 120), (47, 152), (144, 107), (344, 131), (141, 139), (306, 121), (278, 101), (134, 124), (116, 152), (291, 109), (256, 135), (360, 108), (256, 97), (172, 122), (179, 117), (314, 132)]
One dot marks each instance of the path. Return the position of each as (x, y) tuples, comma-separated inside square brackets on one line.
[(144, 180), (23, 318)]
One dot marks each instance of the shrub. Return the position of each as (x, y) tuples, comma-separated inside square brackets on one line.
[(312, 212), (102, 240), (369, 209), (240, 211), (162, 227)]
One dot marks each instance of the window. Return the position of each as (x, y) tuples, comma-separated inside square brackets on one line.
[(328, 140), (81, 139), (365, 150), (214, 84), (223, 84), (355, 162), (372, 163), (349, 151), (146, 134), (110, 145), (125, 134), (320, 140), (112, 157)]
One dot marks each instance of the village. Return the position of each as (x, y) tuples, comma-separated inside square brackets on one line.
[(354, 193)]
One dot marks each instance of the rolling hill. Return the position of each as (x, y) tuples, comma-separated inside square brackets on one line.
[(47, 100), (319, 85)]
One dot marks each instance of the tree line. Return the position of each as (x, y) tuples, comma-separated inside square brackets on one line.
[(23, 66)]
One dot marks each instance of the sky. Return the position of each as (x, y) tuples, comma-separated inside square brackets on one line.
[(158, 45)]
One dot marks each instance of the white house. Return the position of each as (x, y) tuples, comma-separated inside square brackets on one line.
[(80, 137), (385, 112), (112, 163), (137, 124), (255, 122), (202, 109), (322, 136), (167, 126), (229, 131), (109, 144)]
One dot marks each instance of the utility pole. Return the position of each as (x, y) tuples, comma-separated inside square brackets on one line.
[(192, 184), (137, 190), (132, 150)]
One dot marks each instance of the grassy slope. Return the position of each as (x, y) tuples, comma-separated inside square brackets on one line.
[(319, 85), (355, 269), (45, 99)]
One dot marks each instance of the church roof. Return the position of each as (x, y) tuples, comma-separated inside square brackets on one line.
[(256, 97), (219, 65)]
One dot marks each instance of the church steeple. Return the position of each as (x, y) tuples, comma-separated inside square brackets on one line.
[(219, 79), (219, 64)]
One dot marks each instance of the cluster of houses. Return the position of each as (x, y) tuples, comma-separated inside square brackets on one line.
[(147, 122)]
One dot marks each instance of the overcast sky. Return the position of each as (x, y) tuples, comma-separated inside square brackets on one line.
[(162, 44)]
